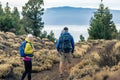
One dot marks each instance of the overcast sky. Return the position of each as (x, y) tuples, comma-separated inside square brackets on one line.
[(112, 4)]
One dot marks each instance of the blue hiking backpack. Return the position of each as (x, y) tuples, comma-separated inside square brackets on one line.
[(21, 50), (66, 45)]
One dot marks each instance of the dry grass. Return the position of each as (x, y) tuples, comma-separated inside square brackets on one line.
[(83, 69), (17, 71), (116, 48), (10, 35), (1, 39), (86, 78), (99, 65), (5, 70), (36, 69), (102, 75), (44, 59), (115, 76), (46, 56), (14, 61), (47, 78), (81, 48), (95, 57)]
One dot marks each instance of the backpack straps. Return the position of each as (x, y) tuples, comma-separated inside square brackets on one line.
[(29, 43)]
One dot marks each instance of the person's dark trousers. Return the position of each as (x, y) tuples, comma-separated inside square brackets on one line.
[(28, 70)]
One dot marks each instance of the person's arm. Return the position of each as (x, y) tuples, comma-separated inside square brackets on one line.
[(57, 44), (73, 44), (34, 50)]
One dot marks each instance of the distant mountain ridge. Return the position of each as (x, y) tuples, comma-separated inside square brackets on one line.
[(73, 16)]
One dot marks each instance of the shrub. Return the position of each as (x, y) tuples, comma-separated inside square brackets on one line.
[(5, 70)]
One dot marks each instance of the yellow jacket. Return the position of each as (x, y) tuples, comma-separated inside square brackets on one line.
[(29, 47)]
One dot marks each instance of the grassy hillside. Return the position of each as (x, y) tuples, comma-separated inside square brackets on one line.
[(11, 64), (98, 59)]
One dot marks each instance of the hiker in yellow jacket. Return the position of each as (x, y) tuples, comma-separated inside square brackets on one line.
[(29, 49)]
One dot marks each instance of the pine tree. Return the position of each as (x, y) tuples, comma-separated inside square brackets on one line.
[(6, 20), (82, 38), (1, 9), (1, 14), (16, 20), (51, 36), (7, 9), (43, 35), (32, 12), (118, 36), (10, 20), (102, 26)]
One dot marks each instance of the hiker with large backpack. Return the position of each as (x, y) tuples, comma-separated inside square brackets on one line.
[(26, 51), (65, 47)]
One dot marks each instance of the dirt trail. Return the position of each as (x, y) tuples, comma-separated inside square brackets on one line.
[(53, 74)]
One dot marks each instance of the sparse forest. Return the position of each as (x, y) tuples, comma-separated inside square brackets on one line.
[(29, 22)]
